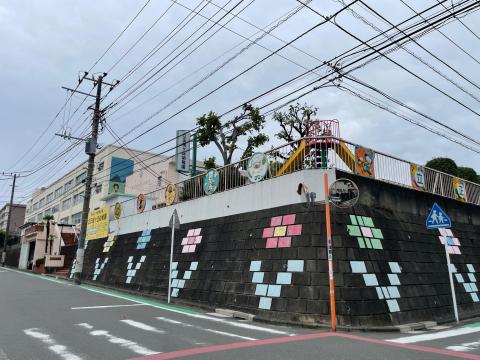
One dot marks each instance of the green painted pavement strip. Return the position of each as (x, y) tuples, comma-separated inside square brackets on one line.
[(115, 294), (136, 299), (473, 325)]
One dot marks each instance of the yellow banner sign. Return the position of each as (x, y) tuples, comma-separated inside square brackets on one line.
[(97, 226)]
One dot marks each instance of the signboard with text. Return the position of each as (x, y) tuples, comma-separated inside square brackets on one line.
[(97, 226), (182, 156)]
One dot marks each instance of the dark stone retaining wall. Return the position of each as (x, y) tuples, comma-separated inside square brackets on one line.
[(395, 273)]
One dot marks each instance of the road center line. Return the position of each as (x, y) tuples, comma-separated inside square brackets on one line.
[(142, 326), (175, 322), (52, 345), (105, 306)]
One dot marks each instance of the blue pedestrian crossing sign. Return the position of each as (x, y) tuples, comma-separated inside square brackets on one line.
[(438, 218)]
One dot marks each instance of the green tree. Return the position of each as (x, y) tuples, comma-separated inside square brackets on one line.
[(443, 164), (468, 173), (295, 122), (210, 163), (249, 124)]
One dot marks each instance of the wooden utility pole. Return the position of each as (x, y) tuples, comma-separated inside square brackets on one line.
[(7, 230)]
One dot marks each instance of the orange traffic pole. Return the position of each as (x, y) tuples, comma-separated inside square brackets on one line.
[(330, 254)]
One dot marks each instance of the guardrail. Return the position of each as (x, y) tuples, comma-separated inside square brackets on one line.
[(326, 152)]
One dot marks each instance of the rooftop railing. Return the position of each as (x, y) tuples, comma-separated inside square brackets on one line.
[(328, 152)]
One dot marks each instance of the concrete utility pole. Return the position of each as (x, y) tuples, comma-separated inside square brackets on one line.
[(90, 150), (7, 230)]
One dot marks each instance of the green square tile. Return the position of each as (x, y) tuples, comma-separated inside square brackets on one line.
[(361, 243), (376, 244), (367, 242), (377, 233), (359, 220), (353, 219), (367, 221), (354, 230)]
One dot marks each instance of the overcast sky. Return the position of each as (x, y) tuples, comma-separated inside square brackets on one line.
[(45, 44)]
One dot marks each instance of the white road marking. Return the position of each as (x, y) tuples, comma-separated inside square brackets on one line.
[(465, 346), (105, 306), (140, 325), (230, 334), (131, 345), (58, 349), (198, 316), (436, 335), (3, 356), (171, 321)]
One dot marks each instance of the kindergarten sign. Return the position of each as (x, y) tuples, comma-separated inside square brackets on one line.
[(97, 226)]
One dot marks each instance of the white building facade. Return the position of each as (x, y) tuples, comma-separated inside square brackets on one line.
[(63, 199)]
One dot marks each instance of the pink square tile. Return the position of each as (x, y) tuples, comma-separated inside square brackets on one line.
[(271, 243), (456, 241), (184, 241), (442, 240), (197, 231), (284, 242), (190, 232), (450, 250), (456, 250), (443, 232), (185, 249), (289, 219), (276, 221), (449, 232), (198, 239), (267, 232), (294, 230), (191, 248), (191, 240), (366, 231)]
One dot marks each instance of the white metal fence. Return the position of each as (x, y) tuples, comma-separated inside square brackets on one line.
[(317, 153)]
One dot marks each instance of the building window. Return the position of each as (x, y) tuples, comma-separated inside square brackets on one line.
[(77, 199), (41, 203), (39, 217), (100, 166), (79, 179), (77, 218), (68, 186), (35, 206), (48, 212), (58, 192), (49, 197), (66, 204), (64, 220), (55, 209), (98, 189)]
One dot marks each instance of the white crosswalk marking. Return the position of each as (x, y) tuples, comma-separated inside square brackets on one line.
[(465, 346), (52, 345), (436, 335), (131, 345)]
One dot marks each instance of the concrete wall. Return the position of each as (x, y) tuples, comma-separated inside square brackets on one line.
[(260, 249)]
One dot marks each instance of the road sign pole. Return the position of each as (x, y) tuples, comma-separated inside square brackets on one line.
[(171, 259), (452, 286), (330, 254)]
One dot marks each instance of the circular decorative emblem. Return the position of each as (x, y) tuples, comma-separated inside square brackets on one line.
[(257, 167), (343, 193), (117, 211), (170, 194), (210, 181), (141, 203)]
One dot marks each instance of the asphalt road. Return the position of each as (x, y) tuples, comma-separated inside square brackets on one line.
[(43, 318)]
